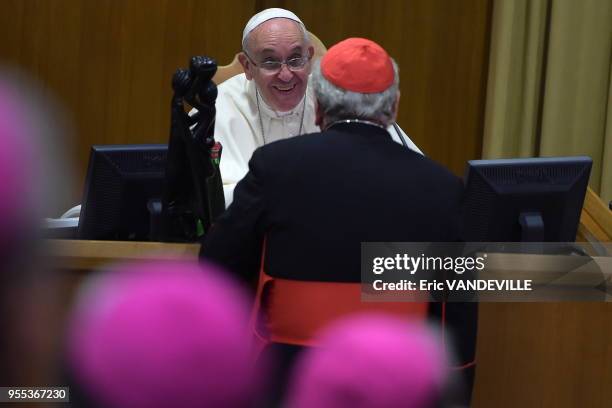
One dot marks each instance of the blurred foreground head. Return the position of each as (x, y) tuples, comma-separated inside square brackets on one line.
[(34, 178), (17, 165), (371, 361), (161, 334), (33, 156)]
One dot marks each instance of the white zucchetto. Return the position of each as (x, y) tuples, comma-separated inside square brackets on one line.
[(266, 15)]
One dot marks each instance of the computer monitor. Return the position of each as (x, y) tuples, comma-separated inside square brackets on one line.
[(525, 200), (120, 182)]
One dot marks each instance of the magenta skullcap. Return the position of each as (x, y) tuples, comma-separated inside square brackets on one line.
[(162, 334), (371, 361)]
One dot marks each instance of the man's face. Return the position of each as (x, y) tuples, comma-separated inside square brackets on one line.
[(279, 39)]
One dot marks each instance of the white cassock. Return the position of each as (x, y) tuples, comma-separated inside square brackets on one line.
[(238, 127)]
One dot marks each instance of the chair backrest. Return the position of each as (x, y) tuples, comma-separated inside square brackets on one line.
[(225, 72), (596, 220), (293, 311), (319, 48)]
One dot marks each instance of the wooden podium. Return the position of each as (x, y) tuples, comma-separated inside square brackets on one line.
[(548, 354)]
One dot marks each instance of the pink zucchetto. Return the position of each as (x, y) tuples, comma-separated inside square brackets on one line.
[(358, 65), (371, 361), (161, 334)]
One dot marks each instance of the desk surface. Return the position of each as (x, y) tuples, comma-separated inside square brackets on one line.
[(85, 255)]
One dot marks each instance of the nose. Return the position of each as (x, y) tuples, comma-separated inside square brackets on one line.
[(285, 73)]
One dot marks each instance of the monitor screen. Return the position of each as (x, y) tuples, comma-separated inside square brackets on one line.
[(120, 182), (534, 199)]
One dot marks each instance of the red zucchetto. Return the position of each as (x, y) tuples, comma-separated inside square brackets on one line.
[(358, 65)]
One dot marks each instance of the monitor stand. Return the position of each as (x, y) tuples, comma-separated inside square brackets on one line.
[(532, 227)]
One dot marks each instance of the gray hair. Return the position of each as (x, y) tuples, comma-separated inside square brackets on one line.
[(338, 104), (305, 35)]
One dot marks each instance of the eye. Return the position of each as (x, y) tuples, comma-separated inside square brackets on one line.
[(270, 64), (298, 62)]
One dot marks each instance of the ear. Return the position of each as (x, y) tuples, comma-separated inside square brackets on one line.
[(247, 67), (310, 52), (319, 116), (396, 105)]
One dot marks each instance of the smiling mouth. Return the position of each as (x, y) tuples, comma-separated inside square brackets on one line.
[(284, 88)]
